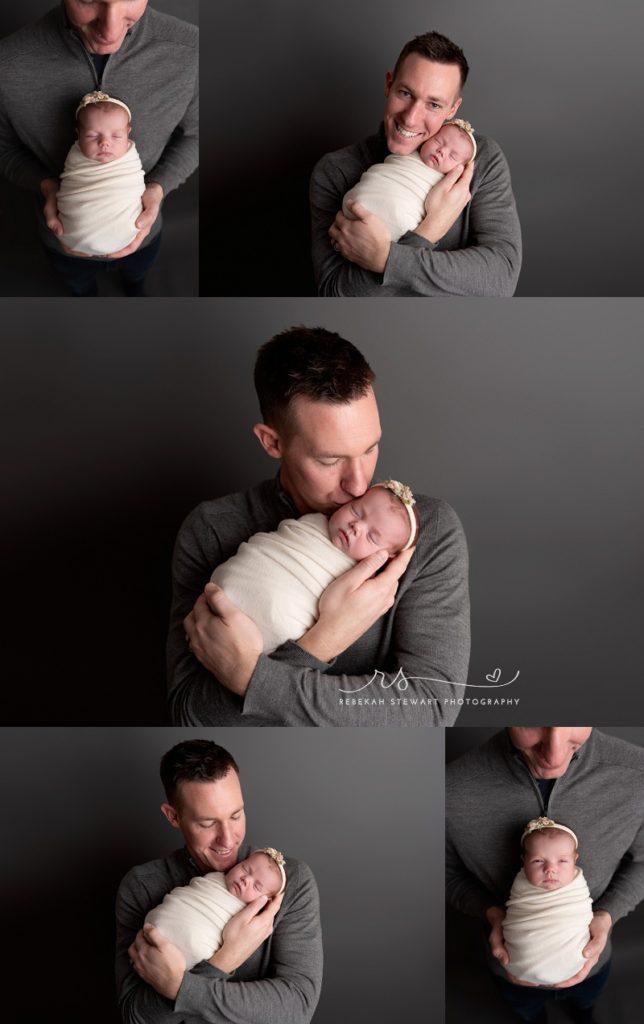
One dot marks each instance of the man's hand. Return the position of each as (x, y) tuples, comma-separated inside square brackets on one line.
[(496, 916), (245, 933), (445, 202), (49, 188), (351, 604), (361, 238), (225, 640), (599, 929), (151, 203), (158, 961)]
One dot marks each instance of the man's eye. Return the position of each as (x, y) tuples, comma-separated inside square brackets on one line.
[(324, 462), (404, 92)]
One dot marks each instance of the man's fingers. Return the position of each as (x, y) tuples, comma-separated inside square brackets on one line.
[(253, 908), (358, 210), (365, 569), (274, 905), (146, 218), (398, 564), (218, 602), (466, 176), (153, 936)]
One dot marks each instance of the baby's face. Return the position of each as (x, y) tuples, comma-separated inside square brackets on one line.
[(369, 523), (103, 133), (449, 147), (549, 861), (254, 877)]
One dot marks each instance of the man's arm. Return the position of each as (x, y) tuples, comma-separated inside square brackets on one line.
[(17, 164), (291, 992), (626, 888), (429, 641), (181, 154), (488, 266), (463, 890)]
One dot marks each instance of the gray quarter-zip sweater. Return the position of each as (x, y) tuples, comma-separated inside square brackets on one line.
[(479, 255), (45, 70), (426, 633), (280, 981), (491, 795)]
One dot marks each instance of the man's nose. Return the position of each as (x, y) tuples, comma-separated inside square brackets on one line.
[(111, 21), (225, 835), (354, 480), (553, 745)]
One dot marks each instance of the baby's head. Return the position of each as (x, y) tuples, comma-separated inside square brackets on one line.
[(103, 127), (384, 517), (549, 854), (451, 145), (261, 874)]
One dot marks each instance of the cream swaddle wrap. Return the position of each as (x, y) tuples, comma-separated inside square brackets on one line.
[(395, 191), (278, 578), (546, 930), (99, 202), (193, 916)]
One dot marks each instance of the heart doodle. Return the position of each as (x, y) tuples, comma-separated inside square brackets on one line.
[(495, 676)]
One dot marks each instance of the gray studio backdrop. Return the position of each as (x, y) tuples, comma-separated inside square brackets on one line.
[(558, 85), (527, 417), (470, 991), (25, 266), (364, 810)]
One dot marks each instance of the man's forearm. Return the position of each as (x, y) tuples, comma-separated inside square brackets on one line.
[(17, 164)]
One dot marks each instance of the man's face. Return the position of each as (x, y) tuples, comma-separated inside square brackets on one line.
[(548, 750), (210, 816), (421, 96), (254, 877), (549, 860), (330, 453), (103, 23)]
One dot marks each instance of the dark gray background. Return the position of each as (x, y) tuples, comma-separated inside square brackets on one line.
[(526, 416), (558, 85), (26, 268), (470, 991), (364, 809)]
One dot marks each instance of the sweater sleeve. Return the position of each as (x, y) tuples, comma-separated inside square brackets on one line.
[(181, 155), (291, 992), (626, 888), (463, 891), (17, 164), (137, 1001)]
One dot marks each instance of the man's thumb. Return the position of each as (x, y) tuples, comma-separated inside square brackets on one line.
[(357, 209)]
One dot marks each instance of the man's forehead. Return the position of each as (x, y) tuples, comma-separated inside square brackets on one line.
[(337, 428), (436, 80), (211, 799)]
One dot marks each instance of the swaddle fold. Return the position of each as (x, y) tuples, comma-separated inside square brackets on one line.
[(278, 578), (545, 931), (193, 916), (395, 191), (98, 203)]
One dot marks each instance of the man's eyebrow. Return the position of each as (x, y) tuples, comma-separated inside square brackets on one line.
[(211, 817), (433, 99)]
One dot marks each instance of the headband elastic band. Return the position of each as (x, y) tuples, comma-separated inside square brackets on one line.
[(101, 97), (404, 493), (537, 824), (278, 858)]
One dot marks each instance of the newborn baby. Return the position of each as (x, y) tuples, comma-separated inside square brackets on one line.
[(102, 182), (278, 578), (396, 190), (546, 924), (193, 916)]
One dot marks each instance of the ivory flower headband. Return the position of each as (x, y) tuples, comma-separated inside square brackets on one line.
[(101, 97), (539, 824), (466, 127), (404, 493), (278, 857)]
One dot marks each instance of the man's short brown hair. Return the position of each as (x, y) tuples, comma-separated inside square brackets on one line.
[(194, 761), (308, 362), (434, 46)]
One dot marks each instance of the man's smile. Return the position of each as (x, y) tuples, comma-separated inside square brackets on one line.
[(405, 132)]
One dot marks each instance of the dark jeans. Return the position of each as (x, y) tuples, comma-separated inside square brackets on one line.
[(80, 275), (529, 1003)]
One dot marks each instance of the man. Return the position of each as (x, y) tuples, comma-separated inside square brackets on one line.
[(321, 424), (579, 777), (461, 247), (144, 58), (269, 966)]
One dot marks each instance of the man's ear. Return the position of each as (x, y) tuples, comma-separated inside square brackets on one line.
[(169, 812), (454, 108), (269, 440), (389, 81)]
